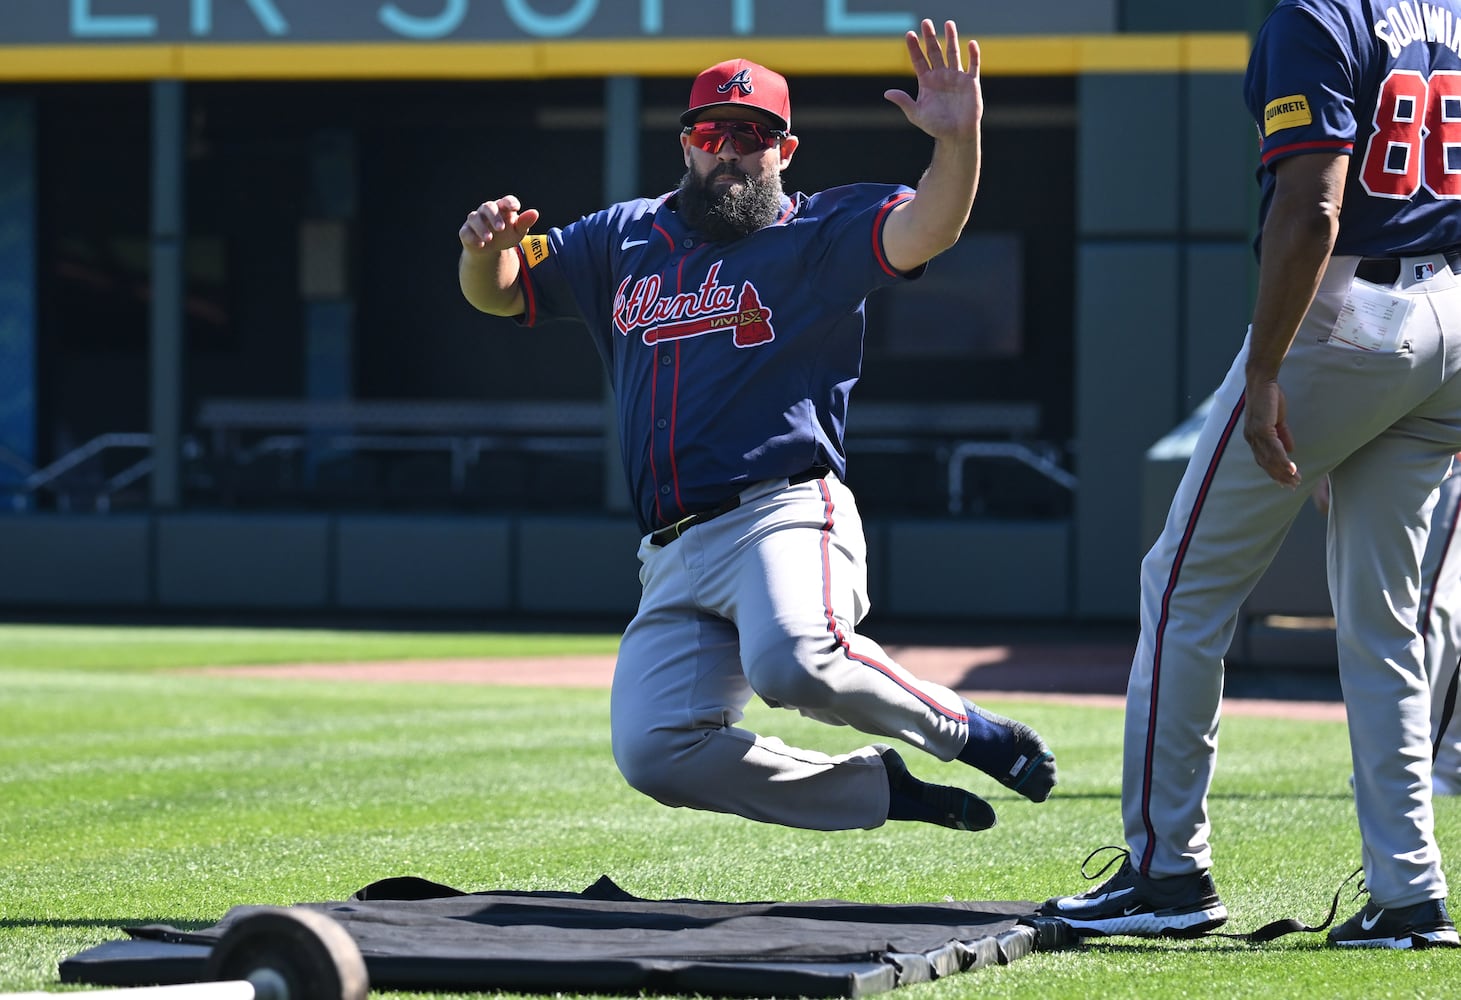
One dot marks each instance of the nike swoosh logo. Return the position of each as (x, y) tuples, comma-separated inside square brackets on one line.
[(1368, 922), (1081, 903), (632, 243)]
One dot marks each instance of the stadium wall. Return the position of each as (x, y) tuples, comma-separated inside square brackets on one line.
[(1156, 275)]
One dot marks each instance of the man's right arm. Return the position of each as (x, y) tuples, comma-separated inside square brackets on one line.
[(1298, 237), (489, 281), (489, 266)]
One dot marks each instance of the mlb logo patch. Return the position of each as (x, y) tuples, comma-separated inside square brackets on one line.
[(1424, 272)]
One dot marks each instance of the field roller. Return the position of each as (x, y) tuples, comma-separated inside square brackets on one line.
[(270, 954)]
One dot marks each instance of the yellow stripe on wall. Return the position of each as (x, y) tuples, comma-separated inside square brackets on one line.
[(1215, 53), (91, 62), (1070, 55)]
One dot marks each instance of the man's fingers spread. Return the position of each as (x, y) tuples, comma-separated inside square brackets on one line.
[(951, 44)]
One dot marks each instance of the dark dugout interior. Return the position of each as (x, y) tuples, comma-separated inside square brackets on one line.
[(399, 165)]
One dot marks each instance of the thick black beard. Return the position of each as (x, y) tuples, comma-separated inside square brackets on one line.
[(733, 212)]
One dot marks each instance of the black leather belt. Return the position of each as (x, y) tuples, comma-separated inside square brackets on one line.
[(1386, 270), (670, 532)]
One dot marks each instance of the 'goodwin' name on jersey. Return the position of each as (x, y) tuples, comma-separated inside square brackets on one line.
[(1408, 22)]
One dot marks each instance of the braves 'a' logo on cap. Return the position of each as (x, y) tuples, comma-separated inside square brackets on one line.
[(741, 80)]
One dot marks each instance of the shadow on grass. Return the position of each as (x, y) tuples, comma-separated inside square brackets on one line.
[(20, 923), (1211, 944), (1063, 796)]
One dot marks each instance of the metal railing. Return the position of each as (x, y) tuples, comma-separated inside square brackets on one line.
[(50, 478), (463, 448), (1041, 461)]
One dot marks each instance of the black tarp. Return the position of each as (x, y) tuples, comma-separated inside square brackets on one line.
[(420, 935)]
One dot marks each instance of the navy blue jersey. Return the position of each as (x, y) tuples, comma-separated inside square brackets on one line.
[(732, 362), (1379, 80)]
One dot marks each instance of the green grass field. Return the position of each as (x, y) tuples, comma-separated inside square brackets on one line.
[(131, 793)]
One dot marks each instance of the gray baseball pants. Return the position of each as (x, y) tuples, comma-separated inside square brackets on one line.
[(764, 600), (1384, 427)]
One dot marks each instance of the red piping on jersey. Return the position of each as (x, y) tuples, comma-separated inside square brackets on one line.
[(530, 298), (653, 409), (1145, 861), (674, 413), (675, 396), (835, 630), (878, 224), (1332, 145), (674, 409)]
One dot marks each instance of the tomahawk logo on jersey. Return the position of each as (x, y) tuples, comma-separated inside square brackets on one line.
[(1401, 125), (713, 307)]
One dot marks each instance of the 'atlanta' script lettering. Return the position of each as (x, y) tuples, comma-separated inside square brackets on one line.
[(710, 307), (644, 306)]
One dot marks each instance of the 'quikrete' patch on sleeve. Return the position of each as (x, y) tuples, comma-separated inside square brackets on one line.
[(535, 249), (1286, 112)]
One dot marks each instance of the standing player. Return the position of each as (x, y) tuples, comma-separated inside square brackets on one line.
[(1349, 369), (1439, 626), (730, 318)]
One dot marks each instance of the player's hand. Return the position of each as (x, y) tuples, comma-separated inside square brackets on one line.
[(950, 102), (1266, 430), (495, 226)]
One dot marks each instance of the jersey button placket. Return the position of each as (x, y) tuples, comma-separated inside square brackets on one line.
[(663, 458)]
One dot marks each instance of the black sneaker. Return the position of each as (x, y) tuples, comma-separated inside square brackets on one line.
[(1424, 925), (943, 805), (1131, 903)]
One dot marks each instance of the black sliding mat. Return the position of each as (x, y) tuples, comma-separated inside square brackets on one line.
[(419, 935)]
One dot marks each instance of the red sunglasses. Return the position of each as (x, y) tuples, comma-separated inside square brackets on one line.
[(745, 137)]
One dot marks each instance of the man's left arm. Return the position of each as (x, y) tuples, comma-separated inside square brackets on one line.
[(1298, 237), (950, 108)]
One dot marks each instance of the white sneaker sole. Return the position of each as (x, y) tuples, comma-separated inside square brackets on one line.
[(1151, 924)]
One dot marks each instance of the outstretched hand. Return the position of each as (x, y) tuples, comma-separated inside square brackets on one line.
[(497, 225), (949, 103)]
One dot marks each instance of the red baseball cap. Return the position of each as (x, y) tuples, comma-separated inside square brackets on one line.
[(740, 83)]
